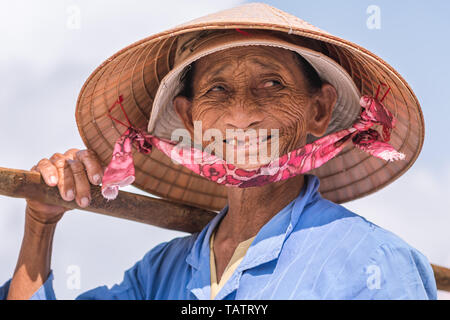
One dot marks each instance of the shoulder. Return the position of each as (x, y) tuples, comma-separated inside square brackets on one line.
[(163, 270), (151, 277), (366, 254), (171, 252), (332, 217)]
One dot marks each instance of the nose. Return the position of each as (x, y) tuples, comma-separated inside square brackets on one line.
[(242, 118)]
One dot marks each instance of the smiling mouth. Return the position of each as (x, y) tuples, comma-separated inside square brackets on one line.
[(247, 142)]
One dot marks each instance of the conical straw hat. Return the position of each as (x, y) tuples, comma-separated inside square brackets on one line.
[(137, 71)]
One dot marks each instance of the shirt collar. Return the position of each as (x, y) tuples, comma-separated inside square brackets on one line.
[(266, 246)]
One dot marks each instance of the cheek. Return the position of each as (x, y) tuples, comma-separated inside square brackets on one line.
[(206, 112), (291, 113), (208, 115)]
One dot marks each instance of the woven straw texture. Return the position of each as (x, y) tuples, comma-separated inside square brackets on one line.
[(136, 71)]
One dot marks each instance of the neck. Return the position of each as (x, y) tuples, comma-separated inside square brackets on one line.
[(249, 209)]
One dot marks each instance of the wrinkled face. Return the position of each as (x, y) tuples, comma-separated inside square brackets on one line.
[(256, 87)]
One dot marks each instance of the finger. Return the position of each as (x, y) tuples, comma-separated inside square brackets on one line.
[(66, 183), (65, 176), (82, 186), (70, 154), (48, 172), (92, 164)]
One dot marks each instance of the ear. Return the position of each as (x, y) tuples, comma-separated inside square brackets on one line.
[(183, 107), (321, 110)]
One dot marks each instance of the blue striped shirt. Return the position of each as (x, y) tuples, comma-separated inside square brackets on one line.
[(311, 249)]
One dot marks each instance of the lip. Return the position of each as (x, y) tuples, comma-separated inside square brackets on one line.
[(251, 149), (247, 142)]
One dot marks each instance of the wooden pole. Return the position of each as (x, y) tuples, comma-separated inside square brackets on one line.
[(127, 205), (161, 213), (442, 276)]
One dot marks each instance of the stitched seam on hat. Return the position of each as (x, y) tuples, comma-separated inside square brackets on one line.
[(284, 18)]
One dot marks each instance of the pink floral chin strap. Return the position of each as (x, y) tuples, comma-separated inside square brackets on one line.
[(120, 171)]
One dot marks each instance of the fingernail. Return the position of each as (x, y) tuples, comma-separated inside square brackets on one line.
[(70, 194), (96, 178), (84, 202), (53, 180)]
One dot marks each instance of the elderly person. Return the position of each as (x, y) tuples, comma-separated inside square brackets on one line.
[(276, 237)]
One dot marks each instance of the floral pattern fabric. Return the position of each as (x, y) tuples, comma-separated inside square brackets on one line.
[(120, 171)]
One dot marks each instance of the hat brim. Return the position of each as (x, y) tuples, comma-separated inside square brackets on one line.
[(136, 72)]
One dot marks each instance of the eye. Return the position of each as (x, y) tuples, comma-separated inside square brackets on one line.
[(271, 83), (217, 88)]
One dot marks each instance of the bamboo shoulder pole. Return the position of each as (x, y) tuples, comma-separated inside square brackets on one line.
[(127, 205), (161, 213)]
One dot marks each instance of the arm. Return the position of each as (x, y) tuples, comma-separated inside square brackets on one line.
[(33, 265), (405, 273), (72, 172), (150, 277), (390, 271), (137, 283), (395, 272)]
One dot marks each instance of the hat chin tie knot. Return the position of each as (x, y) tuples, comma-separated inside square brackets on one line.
[(120, 171)]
